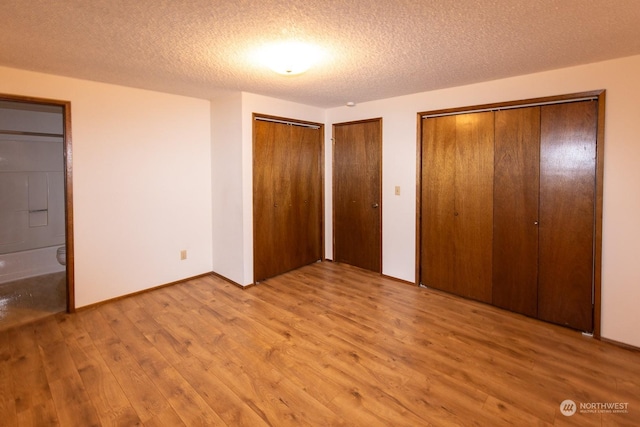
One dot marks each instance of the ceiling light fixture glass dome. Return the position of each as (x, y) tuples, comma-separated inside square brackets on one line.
[(290, 57)]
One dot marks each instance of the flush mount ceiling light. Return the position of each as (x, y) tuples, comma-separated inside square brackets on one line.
[(290, 57)]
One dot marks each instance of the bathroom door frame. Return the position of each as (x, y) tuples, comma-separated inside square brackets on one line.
[(68, 185)]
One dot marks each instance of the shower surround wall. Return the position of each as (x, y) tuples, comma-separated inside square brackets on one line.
[(32, 223)]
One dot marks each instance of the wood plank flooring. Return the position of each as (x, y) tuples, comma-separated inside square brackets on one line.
[(324, 345)]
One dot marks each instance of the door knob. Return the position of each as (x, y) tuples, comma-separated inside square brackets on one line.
[(375, 205)]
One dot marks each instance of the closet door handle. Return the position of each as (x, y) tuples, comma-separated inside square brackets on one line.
[(375, 205), (535, 222)]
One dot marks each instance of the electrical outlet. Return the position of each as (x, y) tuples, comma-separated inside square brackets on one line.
[(183, 254), (397, 190)]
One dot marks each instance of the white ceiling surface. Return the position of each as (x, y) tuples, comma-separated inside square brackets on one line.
[(375, 48)]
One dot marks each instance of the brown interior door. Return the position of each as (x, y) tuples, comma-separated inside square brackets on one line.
[(287, 199), (567, 216), (457, 210), (515, 210), (357, 198)]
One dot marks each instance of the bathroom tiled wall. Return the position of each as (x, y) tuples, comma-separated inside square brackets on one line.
[(31, 195)]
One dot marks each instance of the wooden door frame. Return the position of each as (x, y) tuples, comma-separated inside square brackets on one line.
[(600, 95), (285, 120), (68, 186), (333, 192)]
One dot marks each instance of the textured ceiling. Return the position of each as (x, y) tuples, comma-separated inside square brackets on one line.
[(375, 49)]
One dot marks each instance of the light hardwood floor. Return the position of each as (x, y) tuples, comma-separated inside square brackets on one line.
[(325, 345)]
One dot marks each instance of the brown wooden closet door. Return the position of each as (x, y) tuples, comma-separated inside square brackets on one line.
[(265, 174), (474, 205), (357, 176), (457, 215), (286, 198), (567, 199), (304, 216), (437, 256), (515, 210)]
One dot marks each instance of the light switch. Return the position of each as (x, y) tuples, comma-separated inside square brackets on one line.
[(397, 190)]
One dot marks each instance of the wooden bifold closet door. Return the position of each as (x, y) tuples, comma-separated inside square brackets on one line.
[(515, 210), (287, 198), (544, 212), (567, 213), (508, 208), (457, 214)]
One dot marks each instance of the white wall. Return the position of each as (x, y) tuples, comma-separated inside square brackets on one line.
[(227, 197), (141, 182), (621, 228)]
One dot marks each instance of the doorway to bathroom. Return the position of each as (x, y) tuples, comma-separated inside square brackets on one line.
[(36, 239)]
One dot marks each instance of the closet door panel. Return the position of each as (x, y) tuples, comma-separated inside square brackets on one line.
[(303, 176), (437, 257), (265, 214), (567, 200), (515, 211), (473, 210)]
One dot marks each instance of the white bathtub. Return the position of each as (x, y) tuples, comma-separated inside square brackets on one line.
[(34, 262)]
